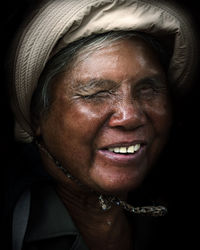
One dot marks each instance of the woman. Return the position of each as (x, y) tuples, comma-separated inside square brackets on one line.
[(92, 86)]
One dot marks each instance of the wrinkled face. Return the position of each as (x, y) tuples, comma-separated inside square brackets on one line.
[(110, 117)]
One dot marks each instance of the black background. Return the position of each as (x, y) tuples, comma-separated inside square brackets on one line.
[(181, 176)]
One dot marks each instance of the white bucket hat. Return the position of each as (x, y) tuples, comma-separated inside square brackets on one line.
[(57, 23)]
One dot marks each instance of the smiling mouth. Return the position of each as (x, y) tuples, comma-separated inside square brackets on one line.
[(125, 150), (124, 154)]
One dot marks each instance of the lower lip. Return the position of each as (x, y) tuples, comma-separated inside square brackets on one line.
[(124, 159)]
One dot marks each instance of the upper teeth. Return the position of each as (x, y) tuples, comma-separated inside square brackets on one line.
[(124, 150)]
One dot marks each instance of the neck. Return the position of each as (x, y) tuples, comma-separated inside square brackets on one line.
[(100, 229)]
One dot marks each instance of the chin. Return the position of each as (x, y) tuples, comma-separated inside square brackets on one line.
[(120, 184)]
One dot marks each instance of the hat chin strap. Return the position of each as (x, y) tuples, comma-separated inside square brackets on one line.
[(107, 201)]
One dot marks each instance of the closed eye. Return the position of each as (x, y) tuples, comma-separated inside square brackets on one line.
[(149, 87), (95, 89), (98, 94)]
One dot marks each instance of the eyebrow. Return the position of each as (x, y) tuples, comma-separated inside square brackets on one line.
[(99, 83), (96, 83), (154, 80)]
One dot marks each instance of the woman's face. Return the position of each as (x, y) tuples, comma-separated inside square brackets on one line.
[(110, 117)]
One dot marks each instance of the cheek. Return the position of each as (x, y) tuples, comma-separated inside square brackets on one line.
[(70, 132), (83, 122), (160, 114)]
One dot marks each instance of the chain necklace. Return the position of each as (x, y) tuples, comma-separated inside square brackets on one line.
[(105, 201)]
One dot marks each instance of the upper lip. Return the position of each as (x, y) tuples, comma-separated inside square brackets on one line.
[(124, 144)]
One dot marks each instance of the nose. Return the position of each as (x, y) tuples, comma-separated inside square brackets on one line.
[(128, 114)]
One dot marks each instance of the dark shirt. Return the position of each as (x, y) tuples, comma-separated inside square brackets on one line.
[(50, 226)]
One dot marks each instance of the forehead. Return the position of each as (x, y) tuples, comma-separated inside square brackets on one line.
[(120, 59)]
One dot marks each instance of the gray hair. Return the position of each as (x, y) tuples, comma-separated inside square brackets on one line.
[(64, 60)]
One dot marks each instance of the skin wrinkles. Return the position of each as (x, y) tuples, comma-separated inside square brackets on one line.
[(95, 88), (97, 121), (116, 96)]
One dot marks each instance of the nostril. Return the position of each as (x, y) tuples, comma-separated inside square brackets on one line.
[(128, 117)]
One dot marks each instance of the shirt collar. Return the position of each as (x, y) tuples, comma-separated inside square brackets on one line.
[(48, 216)]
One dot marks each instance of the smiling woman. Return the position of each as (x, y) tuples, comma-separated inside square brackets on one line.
[(95, 96), (118, 97)]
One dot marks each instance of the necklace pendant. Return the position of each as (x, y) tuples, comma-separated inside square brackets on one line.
[(104, 203)]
